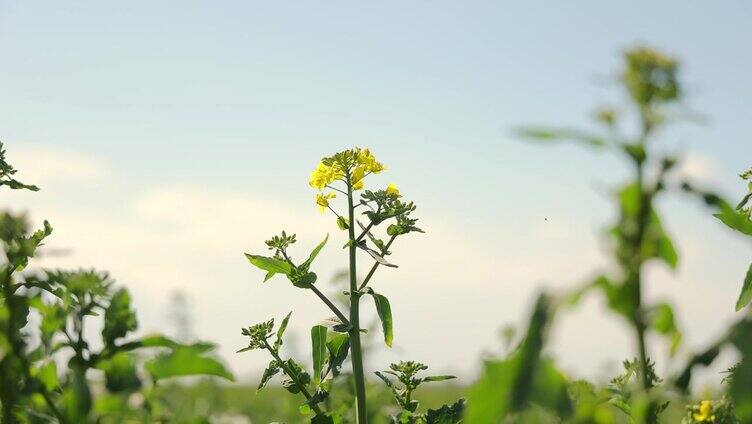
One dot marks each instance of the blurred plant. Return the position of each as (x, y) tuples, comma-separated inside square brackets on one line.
[(31, 387), (344, 173)]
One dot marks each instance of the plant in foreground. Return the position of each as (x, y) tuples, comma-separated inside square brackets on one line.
[(32, 388), (343, 173)]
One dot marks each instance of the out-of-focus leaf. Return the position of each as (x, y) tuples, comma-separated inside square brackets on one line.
[(184, 361), (47, 375), (741, 378), (542, 134), (120, 373), (318, 348), (663, 322), (438, 378), (119, 317), (746, 294), (510, 385)]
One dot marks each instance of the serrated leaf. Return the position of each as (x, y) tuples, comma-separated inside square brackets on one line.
[(269, 372)]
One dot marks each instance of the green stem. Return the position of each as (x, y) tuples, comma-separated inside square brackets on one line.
[(331, 305), (376, 264), (294, 378), (357, 353)]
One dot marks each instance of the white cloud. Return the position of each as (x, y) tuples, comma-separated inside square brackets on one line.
[(43, 164)]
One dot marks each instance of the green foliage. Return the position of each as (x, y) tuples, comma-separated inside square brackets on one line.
[(524, 378), (6, 175), (402, 388)]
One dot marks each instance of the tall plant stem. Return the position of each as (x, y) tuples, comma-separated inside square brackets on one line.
[(643, 217), (357, 353)]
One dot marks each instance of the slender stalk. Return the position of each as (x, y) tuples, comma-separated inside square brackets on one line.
[(357, 353), (646, 205), (331, 305), (293, 376)]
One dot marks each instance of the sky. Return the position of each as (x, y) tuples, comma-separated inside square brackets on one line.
[(170, 137)]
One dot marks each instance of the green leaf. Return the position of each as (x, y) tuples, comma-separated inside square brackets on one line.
[(269, 372), (657, 244), (447, 414), (438, 378), (315, 253), (385, 315), (318, 347), (338, 345), (541, 134), (47, 375), (281, 331), (734, 219), (184, 361), (119, 317), (510, 385), (270, 265), (746, 295), (120, 373)]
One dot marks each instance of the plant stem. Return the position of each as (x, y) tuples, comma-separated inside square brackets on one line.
[(293, 376), (357, 353), (331, 305), (376, 264)]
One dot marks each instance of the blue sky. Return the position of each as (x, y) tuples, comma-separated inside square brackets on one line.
[(141, 108)]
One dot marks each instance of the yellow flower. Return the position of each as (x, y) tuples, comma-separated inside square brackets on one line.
[(369, 162), (324, 175), (323, 200), (392, 189), (357, 177), (706, 412)]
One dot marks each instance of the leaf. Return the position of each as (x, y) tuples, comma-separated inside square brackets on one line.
[(338, 345), (438, 378), (447, 414), (734, 219), (271, 265), (375, 255), (746, 295), (657, 244), (281, 331), (119, 317), (184, 361), (120, 373), (318, 347), (510, 385), (315, 253), (47, 375), (385, 315), (269, 372), (541, 134)]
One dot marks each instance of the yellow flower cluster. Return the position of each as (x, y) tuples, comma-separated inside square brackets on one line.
[(392, 189), (357, 163), (354, 164), (705, 413), (323, 200)]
